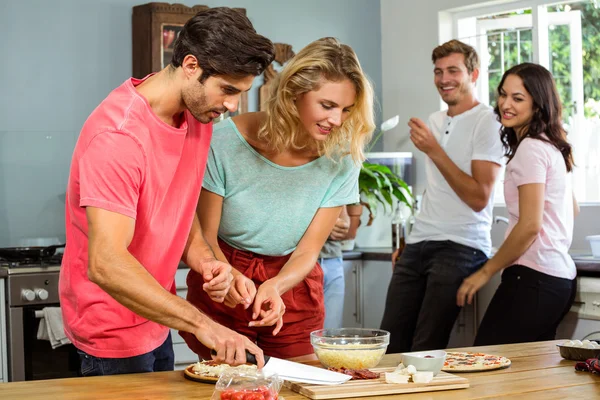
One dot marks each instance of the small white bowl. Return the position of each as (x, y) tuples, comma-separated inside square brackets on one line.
[(432, 360), (595, 244)]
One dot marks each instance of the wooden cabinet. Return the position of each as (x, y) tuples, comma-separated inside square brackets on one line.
[(155, 26)]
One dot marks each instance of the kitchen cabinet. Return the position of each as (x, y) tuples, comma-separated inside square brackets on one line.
[(376, 278), (183, 355), (353, 312), (155, 26), (366, 289), (465, 328), (3, 330)]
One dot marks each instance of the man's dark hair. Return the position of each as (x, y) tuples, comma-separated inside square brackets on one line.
[(224, 42)]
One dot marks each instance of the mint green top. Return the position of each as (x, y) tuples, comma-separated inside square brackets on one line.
[(268, 207)]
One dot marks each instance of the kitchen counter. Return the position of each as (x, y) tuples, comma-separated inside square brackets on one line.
[(585, 263), (537, 372)]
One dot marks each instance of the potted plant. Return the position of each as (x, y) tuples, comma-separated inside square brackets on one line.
[(377, 185)]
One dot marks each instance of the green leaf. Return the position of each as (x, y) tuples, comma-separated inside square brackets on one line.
[(372, 200)]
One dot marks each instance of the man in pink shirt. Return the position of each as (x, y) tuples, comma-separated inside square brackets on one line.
[(135, 179)]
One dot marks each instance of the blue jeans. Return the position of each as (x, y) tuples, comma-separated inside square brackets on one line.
[(333, 271), (420, 308), (160, 359)]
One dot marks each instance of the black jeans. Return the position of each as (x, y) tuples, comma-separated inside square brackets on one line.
[(420, 308), (160, 359), (527, 307)]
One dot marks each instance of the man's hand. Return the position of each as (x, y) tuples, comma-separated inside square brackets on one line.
[(340, 229), (230, 346), (471, 285), (395, 255), (268, 306), (422, 137), (217, 278), (242, 291)]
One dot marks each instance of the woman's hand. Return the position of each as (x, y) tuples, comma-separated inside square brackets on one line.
[(242, 291), (217, 278), (471, 285), (268, 306)]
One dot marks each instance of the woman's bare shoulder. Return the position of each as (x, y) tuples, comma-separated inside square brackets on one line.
[(248, 124)]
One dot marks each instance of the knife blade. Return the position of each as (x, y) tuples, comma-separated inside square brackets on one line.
[(297, 372)]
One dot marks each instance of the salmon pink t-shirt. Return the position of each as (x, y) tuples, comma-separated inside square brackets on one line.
[(536, 161), (128, 161)]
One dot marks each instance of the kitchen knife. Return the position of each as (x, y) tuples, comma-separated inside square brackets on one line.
[(297, 372)]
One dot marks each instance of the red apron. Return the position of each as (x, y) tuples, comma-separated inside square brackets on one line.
[(305, 310)]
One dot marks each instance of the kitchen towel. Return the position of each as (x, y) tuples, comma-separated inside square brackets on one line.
[(51, 327)]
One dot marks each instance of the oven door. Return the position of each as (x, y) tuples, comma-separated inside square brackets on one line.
[(33, 359)]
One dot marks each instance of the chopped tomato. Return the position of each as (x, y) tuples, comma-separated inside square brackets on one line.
[(226, 395), (238, 395), (264, 390), (254, 396)]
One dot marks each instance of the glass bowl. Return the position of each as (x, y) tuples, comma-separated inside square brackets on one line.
[(354, 348)]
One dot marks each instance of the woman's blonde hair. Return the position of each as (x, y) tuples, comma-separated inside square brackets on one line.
[(325, 59)]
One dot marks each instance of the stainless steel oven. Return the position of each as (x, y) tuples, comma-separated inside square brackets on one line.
[(29, 288)]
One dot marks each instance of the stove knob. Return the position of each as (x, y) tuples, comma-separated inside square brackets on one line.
[(41, 294), (27, 295)]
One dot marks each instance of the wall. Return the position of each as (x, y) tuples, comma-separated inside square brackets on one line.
[(409, 34), (62, 57)]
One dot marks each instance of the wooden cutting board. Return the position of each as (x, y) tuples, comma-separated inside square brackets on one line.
[(376, 387)]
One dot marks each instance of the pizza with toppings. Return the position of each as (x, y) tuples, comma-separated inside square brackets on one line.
[(209, 371), (470, 362)]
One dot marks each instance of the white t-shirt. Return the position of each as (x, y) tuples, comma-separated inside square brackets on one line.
[(472, 135), (539, 162)]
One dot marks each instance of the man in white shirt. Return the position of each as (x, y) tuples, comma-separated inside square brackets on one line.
[(451, 236)]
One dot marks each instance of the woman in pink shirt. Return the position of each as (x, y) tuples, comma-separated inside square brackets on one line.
[(538, 283)]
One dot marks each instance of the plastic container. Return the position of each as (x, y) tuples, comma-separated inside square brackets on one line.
[(354, 348), (595, 244), (233, 385), (432, 360)]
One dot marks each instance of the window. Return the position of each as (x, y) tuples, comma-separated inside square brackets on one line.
[(563, 37)]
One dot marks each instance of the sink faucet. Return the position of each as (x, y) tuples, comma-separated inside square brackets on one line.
[(499, 218)]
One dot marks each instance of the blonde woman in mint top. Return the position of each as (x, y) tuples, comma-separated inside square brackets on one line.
[(538, 283), (274, 186)]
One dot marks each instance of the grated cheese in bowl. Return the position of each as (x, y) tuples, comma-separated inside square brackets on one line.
[(354, 348)]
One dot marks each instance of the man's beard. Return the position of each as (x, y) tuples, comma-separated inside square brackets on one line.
[(197, 105)]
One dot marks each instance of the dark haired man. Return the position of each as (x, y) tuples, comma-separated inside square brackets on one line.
[(135, 179), (451, 236)]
